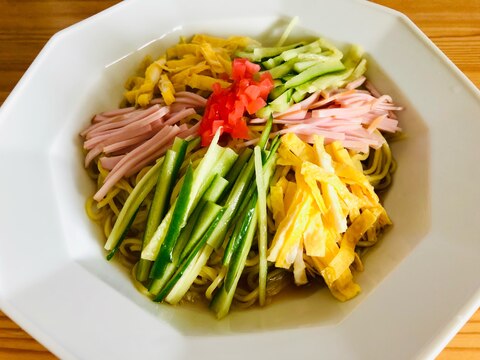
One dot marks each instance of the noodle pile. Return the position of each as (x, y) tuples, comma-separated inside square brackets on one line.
[(193, 67)]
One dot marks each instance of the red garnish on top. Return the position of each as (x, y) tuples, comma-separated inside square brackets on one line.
[(226, 107)]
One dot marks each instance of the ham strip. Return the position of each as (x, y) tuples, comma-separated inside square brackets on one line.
[(160, 152), (133, 138), (182, 114), (351, 116), (117, 121), (134, 157), (109, 162), (187, 94)]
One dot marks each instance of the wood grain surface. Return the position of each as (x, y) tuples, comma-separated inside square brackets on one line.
[(25, 26)]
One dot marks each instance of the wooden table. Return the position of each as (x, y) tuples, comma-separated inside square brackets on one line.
[(25, 26)]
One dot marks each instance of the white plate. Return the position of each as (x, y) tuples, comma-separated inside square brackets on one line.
[(421, 282)]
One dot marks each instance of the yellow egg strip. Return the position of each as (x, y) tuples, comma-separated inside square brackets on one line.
[(198, 65), (315, 235), (322, 215), (294, 233), (346, 255)]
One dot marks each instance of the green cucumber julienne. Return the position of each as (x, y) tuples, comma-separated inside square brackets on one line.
[(173, 285), (168, 174), (187, 242), (178, 219), (202, 217), (203, 176), (262, 225), (223, 298), (134, 200), (181, 240), (185, 285)]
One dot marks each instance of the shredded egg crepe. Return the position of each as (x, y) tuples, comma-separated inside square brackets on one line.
[(197, 64), (322, 213)]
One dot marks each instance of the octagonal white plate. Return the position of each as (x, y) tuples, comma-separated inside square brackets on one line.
[(421, 282)]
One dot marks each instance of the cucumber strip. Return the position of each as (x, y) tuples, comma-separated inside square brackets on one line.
[(268, 52), (260, 53), (334, 52), (238, 200), (272, 62), (225, 165), (225, 157), (208, 214), (238, 166), (151, 251), (299, 95), (180, 146), (313, 47), (303, 65), (216, 189), (236, 195), (264, 112), (262, 226), (283, 69), (359, 70), (239, 232), (252, 188), (178, 219), (165, 180), (235, 171), (249, 221), (193, 144), (168, 174), (157, 284), (268, 166), (277, 82), (245, 206), (222, 299), (355, 66), (134, 200), (239, 217), (222, 160), (276, 92), (211, 195), (283, 102), (232, 203), (262, 143), (156, 211), (112, 253), (318, 57), (313, 72), (187, 262), (211, 156), (181, 252), (189, 275), (274, 144), (191, 158)]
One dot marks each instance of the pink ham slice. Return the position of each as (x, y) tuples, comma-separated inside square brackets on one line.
[(136, 156), (351, 116), (131, 139)]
